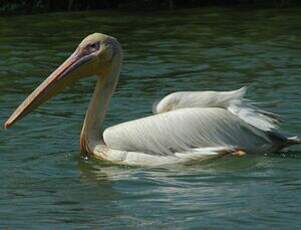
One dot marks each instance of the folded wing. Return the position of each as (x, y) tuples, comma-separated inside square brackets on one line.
[(186, 130), (233, 101)]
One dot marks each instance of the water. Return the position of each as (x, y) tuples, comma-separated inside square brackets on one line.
[(46, 183)]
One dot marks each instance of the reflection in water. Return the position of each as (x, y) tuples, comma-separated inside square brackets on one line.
[(45, 182), (223, 189)]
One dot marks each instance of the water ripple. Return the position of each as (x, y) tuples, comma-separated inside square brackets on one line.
[(47, 183)]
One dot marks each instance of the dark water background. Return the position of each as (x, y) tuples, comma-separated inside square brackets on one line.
[(46, 183)]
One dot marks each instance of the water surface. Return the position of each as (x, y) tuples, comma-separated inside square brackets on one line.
[(45, 182)]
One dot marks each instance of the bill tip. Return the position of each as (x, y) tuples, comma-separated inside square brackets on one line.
[(6, 125)]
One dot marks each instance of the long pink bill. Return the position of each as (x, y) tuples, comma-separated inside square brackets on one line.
[(56, 82)]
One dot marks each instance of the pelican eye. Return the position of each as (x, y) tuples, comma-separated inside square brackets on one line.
[(91, 48), (94, 46)]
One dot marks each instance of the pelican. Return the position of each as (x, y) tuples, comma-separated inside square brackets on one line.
[(186, 126)]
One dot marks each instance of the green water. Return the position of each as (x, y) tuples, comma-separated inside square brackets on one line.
[(46, 183)]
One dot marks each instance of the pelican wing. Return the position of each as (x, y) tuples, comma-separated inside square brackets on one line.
[(233, 101), (186, 130)]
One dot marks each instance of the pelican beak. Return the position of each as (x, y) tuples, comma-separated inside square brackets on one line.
[(70, 71)]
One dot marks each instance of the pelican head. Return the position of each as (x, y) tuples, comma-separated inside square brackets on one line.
[(95, 55)]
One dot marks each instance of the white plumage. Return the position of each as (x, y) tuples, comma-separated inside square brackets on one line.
[(187, 126), (186, 129), (233, 101), (196, 125), (191, 121)]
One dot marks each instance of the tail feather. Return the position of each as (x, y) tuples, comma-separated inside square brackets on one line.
[(293, 141), (254, 116)]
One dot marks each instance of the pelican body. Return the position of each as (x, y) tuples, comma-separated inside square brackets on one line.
[(186, 126)]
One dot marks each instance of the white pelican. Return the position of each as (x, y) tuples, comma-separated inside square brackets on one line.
[(188, 126)]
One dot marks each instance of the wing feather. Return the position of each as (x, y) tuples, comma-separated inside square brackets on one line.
[(201, 99), (233, 101), (184, 130)]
